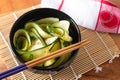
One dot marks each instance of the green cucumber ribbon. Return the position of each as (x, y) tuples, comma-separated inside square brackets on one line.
[(40, 38)]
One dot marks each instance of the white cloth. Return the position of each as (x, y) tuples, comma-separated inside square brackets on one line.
[(84, 12)]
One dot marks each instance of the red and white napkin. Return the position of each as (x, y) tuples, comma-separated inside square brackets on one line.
[(98, 15)]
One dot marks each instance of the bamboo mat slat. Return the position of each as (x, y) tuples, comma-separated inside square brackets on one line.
[(9, 58), (101, 49)]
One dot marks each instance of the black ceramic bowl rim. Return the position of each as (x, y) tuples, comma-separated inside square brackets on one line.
[(25, 18)]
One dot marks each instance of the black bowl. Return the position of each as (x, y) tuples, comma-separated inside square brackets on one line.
[(43, 13)]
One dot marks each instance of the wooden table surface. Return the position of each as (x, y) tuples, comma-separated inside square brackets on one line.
[(110, 71)]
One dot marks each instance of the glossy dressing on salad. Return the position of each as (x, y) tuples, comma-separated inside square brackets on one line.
[(40, 38)]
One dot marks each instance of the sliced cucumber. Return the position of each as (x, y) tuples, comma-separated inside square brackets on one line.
[(44, 27), (64, 24), (61, 60), (22, 43), (51, 40), (22, 39), (66, 37), (27, 56), (41, 51), (49, 62), (36, 44), (41, 32), (41, 38), (56, 46), (49, 20), (56, 31)]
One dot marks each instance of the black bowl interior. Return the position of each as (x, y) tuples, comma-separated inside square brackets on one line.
[(42, 13)]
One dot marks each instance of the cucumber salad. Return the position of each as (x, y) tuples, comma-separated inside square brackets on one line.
[(40, 38)]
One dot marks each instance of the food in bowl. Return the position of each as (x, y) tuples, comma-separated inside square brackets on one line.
[(44, 17), (42, 37)]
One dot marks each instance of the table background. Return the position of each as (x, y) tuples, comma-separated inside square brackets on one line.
[(110, 71)]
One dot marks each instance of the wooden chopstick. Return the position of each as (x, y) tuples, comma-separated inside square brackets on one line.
[(36, 61), (57, 53)]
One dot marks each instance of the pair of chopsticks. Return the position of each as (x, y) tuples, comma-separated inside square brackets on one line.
[(36, 61)]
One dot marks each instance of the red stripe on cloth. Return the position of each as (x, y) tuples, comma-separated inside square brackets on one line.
[(98, 15), (61, 4)]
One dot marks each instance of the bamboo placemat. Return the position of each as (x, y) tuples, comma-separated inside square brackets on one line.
[(101, 49)]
